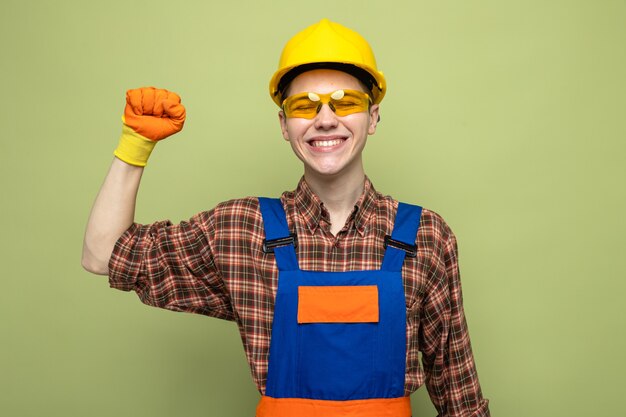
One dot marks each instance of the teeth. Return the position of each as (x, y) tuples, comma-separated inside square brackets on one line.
[(319, 143)]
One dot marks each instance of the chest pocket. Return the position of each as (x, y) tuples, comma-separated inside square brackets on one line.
[(338, 304)]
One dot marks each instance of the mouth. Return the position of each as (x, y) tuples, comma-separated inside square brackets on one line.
[(326, 142)]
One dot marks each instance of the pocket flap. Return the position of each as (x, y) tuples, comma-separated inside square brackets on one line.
[(338, 304)]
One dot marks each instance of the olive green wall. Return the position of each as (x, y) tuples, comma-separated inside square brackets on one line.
[(506, 117)]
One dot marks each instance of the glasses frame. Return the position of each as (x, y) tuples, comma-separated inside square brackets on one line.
[(332, 99)]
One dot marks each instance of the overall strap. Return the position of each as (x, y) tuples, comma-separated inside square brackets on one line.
[(278, 239), (401, 243)]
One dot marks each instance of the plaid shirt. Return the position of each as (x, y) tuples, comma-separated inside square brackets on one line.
[(214, 265)]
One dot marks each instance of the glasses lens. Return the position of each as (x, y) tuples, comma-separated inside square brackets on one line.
[(351, 102), (300, 106)]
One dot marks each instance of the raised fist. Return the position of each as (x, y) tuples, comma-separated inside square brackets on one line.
[(150, 115), (154, 113)]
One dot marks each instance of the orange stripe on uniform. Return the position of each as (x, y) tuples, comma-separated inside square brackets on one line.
[(300, 407), (338, 304)]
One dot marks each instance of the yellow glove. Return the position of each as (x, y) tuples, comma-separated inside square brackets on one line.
[(150, 115)]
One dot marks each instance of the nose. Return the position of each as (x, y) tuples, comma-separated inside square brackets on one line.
[(326, 118)]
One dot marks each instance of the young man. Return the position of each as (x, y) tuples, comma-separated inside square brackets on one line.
[(335, 288)]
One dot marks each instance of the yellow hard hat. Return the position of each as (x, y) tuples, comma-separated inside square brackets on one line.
[(328, 45)]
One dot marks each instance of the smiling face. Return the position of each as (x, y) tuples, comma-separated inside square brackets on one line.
[(330, 146)]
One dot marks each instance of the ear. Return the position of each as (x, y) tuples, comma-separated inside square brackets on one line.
[(374, 118), (283, 124)]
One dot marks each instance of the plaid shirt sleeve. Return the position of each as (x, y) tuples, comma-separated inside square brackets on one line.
[(451, 377), (172, 267)]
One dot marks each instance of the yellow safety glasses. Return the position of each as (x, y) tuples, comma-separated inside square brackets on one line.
[(342, 102)]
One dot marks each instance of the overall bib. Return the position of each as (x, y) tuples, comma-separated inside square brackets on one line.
[(338, 346)]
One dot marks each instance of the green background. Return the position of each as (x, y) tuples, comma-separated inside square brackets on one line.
[(506, 117)]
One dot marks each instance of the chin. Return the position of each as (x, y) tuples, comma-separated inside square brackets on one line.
[(327, 171)]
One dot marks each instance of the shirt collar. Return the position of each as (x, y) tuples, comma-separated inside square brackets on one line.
[(315, 214)]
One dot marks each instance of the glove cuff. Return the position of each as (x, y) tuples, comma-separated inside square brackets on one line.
[(133, 148)]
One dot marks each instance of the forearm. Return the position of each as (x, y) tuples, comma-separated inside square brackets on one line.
[(112, 214)]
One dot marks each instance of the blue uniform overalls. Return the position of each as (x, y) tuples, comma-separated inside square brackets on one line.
[(338, 345)]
